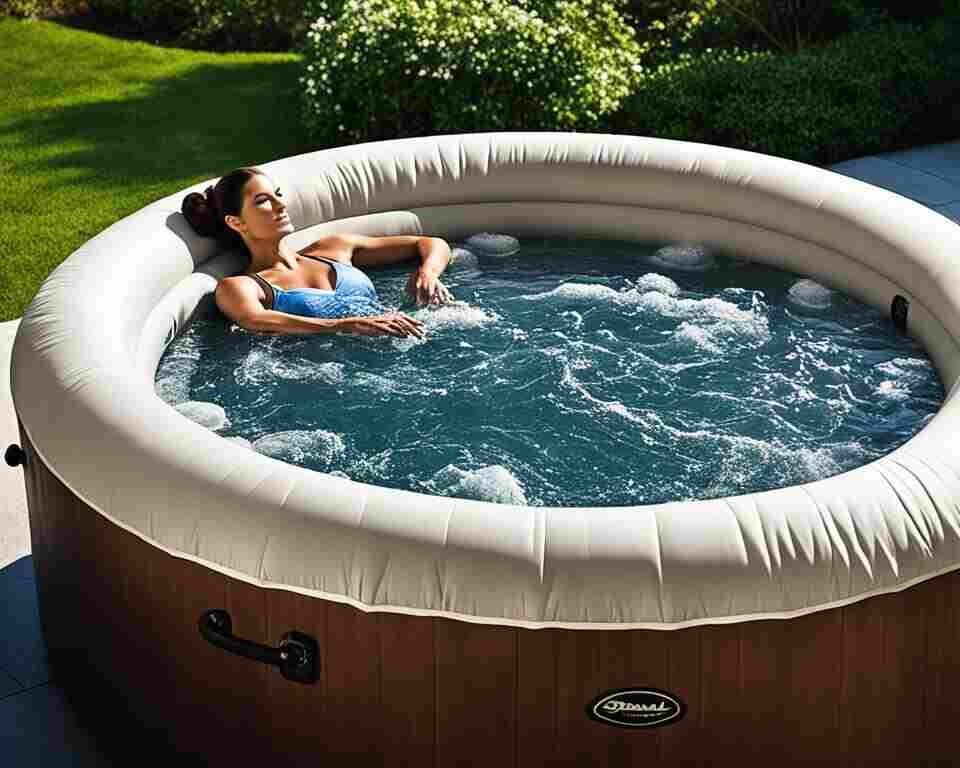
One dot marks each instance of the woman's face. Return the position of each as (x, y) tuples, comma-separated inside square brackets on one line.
[(264, 213)]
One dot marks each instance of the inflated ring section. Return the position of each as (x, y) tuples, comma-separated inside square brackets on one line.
[(127, 454), (425, 607)]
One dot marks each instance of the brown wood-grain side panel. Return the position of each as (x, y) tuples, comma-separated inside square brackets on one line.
[(682, 743), (203, 681), (865, 694), (904, 654), (938, 691), (300, 727), (351, 657), (812, 689), (245, 708), (722, 703), (764, 657), (647, 668), (536, 697), (408, 689), (476, 694)]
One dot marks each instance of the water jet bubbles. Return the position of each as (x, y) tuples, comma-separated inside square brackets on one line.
[(685, 257), (494, 483), (490, 244), (297, 445), (654, 282), (209, 415), (809, 295)]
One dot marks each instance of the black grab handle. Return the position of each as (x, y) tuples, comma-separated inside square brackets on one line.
[(297, 656)]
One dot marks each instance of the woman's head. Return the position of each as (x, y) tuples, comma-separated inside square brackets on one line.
[(244, 205)]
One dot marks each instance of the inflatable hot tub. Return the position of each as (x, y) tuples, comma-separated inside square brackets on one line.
[(246, 609)]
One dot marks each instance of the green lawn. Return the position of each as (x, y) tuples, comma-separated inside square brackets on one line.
[(93, 128)]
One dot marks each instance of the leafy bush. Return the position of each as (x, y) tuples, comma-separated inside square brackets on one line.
[(883, 87), (36, 9), (250, 25), (218, 25), (394, 68), (693, 26)]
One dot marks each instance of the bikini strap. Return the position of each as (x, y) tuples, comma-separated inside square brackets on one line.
[(267, 287), (320, 258)]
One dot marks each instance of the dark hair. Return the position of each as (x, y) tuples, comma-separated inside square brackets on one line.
[(205, 211)]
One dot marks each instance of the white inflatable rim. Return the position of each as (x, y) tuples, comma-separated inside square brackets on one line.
[(87, 349)]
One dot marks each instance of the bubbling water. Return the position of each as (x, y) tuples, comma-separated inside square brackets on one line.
[(573, 373)]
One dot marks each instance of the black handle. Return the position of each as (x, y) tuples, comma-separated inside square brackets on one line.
[(14, 455), (297, 656)]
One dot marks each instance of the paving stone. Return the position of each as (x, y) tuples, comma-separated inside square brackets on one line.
[(951, 211), (941, 160), (8, 685), (38, 727), (23, 652), (909, 182), (19, 569)]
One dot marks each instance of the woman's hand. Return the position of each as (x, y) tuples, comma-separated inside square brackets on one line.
[(393, 324), (426, 288)]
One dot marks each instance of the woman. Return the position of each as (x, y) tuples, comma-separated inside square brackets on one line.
[(315, 290)]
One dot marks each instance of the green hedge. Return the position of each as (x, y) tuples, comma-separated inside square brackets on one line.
[(395, 68), (880, 89)]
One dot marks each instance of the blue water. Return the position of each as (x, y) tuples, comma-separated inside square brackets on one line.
[(574, 372)]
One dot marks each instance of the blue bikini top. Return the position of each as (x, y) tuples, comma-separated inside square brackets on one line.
[(352, 295)]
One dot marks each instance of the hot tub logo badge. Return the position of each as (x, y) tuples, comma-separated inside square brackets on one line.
[(636, 708)]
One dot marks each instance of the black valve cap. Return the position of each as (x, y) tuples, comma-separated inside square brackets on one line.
[(14, 455)]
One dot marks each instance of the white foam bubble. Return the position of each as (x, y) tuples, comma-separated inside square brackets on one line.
[(176, 371), (893, 390), (690, 258), (490, 244), (455, 315), (708, 323), (257, 367), (910, 368), (491, 483), (592, 292), (809, 294), (298, 445), (209, 415), (242, 441), (699, 337), (659, 283), (305, 370)]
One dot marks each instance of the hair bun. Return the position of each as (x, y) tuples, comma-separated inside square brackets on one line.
[(201, 211)]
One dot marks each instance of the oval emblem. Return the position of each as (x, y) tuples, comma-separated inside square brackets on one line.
[(637, 708)]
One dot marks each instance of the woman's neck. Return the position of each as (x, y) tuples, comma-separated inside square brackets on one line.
[(273, 257)]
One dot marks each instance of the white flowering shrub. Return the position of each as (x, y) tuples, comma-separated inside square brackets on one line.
[(393, 68)]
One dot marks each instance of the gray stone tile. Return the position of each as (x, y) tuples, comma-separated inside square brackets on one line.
[(939, 159), (8, 685), (951, 211), (19, 569), (38, 727), (909, 182), (79, 724), (23, 653)]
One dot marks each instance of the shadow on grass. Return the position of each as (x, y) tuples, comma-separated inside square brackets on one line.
[(197, 125)]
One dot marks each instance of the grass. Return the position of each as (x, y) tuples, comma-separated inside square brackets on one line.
[(93, 128)]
